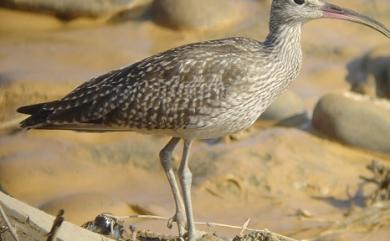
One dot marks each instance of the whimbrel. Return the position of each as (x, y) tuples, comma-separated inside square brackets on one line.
[(197, 91)]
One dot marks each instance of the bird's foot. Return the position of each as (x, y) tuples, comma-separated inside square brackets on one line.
[(181, 222), (195, 235)]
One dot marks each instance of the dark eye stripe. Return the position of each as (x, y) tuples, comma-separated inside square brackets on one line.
[(299, 2)]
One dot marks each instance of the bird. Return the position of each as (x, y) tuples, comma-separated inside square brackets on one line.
[(196, 91)]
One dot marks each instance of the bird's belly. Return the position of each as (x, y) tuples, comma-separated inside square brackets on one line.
[(223, 123), (214, 131)]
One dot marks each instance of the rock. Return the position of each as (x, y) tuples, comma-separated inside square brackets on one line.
[(82, 207), (194, 14), (355, 121), (370, 73), (68, 9), (288, 109)]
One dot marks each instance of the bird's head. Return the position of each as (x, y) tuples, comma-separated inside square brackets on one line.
[(300, 11)]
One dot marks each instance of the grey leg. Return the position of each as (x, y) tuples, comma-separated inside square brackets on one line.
[(166, 162), (185, 176)]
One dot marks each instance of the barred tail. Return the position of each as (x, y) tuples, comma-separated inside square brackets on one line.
[(38, 115)]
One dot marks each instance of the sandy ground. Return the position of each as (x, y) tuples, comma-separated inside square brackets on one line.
[(267, 175)]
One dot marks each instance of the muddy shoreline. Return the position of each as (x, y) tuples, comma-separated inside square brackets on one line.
[(268, 174)]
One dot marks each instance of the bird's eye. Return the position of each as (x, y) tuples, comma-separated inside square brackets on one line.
[(299, 2)]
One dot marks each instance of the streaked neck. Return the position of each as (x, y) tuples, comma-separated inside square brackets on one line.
[(285, 36), (283, 47)]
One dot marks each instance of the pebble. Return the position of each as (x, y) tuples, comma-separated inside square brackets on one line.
[(358, 122), (194, 14)]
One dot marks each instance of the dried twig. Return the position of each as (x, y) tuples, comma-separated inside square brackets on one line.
[(8, 223), (56, 225), (245, 226), (381, 178)]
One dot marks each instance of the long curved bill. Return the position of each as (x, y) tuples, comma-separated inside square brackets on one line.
[(334, 11)]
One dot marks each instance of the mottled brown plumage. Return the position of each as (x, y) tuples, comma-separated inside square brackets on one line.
[(177, 89)]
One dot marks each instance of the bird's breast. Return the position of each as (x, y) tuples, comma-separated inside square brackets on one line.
[(231, 115)]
